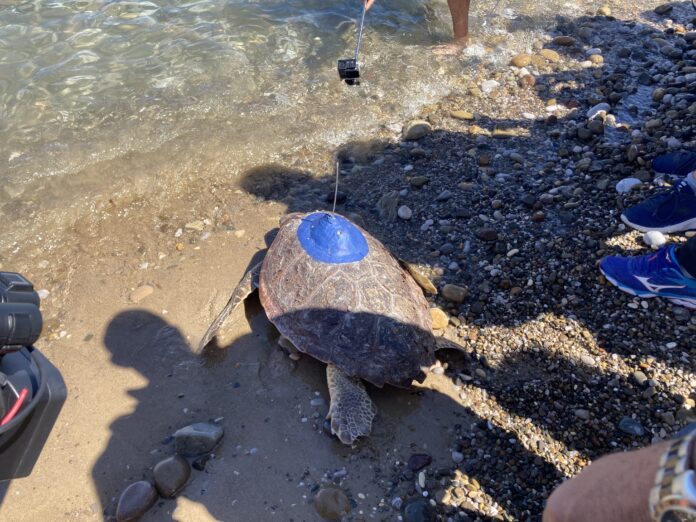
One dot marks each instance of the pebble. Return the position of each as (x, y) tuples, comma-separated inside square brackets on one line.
[(404, 212), (457, 456), (135, 500), (564, 41), (397, 502), (605, 10), (601, 109), (197, 439), (440, 319), (171, 475), (663, 9), (550, 55), (418, 461), (462, 115), (418, 510), (521, 60), (582, 414), (141, 293), (455, 293), (416, 129), (486, 234), (43, 294), (654, 239), (318, 401), (627, 184), (639, 377), (631, 426), (489, 86), (332, 503)]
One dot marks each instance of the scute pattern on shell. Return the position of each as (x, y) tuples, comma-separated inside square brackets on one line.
[(369, 318)]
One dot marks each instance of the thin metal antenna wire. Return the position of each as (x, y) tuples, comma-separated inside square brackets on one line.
[(336, 190), (362, 23)]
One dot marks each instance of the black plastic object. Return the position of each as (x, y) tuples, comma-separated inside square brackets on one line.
[(20, 318), (348, 71), (23, 437)]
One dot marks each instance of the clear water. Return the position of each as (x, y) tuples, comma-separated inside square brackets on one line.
[(87, 82)]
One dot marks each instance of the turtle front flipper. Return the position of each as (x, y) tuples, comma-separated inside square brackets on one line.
[(351, 411), (246, 286)]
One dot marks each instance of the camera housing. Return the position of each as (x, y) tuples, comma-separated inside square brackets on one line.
[(32, 391), (348, 71)]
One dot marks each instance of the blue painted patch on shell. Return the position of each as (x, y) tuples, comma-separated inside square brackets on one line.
[(330, 238)]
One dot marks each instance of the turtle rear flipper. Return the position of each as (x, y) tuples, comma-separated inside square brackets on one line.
[(248, 284), (351, 411)]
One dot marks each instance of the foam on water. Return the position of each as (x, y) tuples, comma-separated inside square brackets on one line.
[(94, 81)]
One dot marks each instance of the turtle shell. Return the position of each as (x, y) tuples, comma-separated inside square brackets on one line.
[(350, 305)]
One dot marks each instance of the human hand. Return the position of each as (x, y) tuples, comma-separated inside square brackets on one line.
[(368, 4), (615, 487)]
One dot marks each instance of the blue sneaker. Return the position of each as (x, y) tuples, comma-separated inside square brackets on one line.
[(675, 163), (668, 212), (653, 275)]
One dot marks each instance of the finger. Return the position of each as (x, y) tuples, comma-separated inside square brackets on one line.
[(368, 4)]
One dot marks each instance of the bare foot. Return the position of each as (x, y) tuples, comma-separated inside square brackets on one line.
[(452, 48)]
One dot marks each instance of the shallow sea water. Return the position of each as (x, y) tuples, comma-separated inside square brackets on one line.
[(94, 82)]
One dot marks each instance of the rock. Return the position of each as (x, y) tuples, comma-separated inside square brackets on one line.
[(197, 439), (444, 195), (596, 59), (425, 283), (387, 205), (538, 216), (521, 60), (198, 226), (601, 110), (457, 456), (489, 86), (527, 81), (667, 418), (663, 9), (440, 318), (397, 502), (135, 500), (631, 426), (596, 126), (141, 293), (582, 414), (332, 503), (404, 212), (418, 461), (584, 133), (550, 55), (654, 239), (605, 10), (639, 377), (462, 115), (418, 510), (486, 234), (416, 129), (626, 185), (419, 181), (454, 293), (673, 143), (171, 475), (564, 41), (655, 123)]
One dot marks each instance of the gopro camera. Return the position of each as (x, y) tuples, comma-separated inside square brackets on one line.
[(348, 71)]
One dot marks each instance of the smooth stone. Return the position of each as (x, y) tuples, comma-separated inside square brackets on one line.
[(601, 109), (627, 184), (416, 129), (141, 293), (440, 319), (582, 414), (457, 456), (419, 181), (564, 40), (489, 86), (171, 475), (550, 55), (404, 212), (423, 281), (331, 503), (639, 377), (454, 293), (596, 59), (418, 510), (631, 426), (605, 10), (521, 60), (197, 439), (418, 461), (135, 500), (486, 234), (663, 9), (462, 115), (654, 239)]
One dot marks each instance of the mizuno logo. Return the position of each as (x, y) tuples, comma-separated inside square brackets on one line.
[(656, 288)]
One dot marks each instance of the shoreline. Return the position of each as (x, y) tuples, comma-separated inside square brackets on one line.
[(516, 210)]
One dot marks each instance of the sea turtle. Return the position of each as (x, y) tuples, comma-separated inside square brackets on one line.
[(337, 294)]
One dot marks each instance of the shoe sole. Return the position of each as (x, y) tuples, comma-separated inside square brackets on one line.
[(686, 303), (684, 226)]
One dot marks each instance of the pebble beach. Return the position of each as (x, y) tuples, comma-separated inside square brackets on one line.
[(505, 193)]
